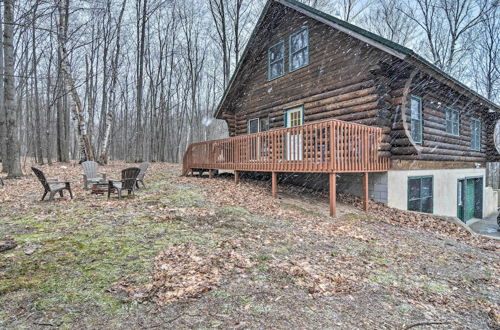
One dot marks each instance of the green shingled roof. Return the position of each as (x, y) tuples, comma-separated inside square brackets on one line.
[(405, 51)]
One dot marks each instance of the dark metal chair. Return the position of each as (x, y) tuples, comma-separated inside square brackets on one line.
[(52, 186), (128, 182), (140, 178)]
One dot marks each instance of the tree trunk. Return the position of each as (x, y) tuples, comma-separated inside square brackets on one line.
[(114, 78), (38, 124), (140, 86), (86, 151), (3, 113), (13, 154)]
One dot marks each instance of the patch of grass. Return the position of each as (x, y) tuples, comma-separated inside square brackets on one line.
[(74, 266), (383, 277), (436, 287), (186, 198), (221, 294), (299, 208), (232, 211)]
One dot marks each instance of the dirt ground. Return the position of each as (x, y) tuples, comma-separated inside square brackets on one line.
[(190, 252)]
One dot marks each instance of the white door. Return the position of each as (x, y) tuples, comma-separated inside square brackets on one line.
[(294, 118)]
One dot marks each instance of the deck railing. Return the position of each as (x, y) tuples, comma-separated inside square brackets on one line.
[(326, 146)]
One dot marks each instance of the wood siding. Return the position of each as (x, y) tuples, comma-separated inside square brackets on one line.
[(338, 83), (349, 80), (437, 144)]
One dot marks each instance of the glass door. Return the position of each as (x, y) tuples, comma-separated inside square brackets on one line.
[(293, 118)]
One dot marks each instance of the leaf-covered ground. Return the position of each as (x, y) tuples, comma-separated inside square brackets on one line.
[(199, 252)]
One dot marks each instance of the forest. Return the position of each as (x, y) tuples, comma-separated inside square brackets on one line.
[(139, 80)]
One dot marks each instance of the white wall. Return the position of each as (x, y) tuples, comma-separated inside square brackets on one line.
[(445, 189)]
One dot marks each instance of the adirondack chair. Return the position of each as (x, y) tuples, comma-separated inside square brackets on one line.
[(52, 186), (91, 175), (140, 178), (128, 182)]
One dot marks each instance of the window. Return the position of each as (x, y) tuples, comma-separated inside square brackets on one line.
[(416, 118), (294, 117), (276, 60), (420, 194), (253, 126), (299, 49), (475, 128), (264, 124), (452, 121)]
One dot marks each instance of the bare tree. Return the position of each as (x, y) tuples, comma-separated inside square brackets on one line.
[(386, 20), (445, 24), (114, 79), (86, 150), (218, 10), (13, 153), (3, 113), (485, 59)]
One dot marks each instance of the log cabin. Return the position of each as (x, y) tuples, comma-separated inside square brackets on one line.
[(367, 116)]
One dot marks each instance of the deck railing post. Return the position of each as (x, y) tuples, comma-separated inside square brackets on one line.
[(332, 149), (274, 184), (365, 191), (333, 194)]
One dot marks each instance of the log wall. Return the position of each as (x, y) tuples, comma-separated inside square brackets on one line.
[(349, 80), (338, 83)]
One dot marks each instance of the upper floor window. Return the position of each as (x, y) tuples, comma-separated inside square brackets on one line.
[(475, 128), (452, 121), (276, 60), (416, 118), (253, 126), (299, 49)]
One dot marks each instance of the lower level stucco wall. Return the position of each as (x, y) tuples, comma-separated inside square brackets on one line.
[(490, 201), (445, 185)]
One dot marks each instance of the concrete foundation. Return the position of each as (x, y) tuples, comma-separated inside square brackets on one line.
[(391, 187), (445, 189)]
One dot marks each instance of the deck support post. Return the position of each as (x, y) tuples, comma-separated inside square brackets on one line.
[(365, 191), (274, 184), (333, 194), (236, 177), (210, 174)]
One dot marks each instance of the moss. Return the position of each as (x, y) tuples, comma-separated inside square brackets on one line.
[(185, 198), (234, 211), (78, 260), (383, 277)]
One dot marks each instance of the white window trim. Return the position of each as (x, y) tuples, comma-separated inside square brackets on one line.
[(290, 54), (294, 109), (473, 147), (421, 110), (258, 125), (446, 121), (269, 63)]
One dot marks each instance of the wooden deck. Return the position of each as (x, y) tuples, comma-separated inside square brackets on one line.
[(331, 146)]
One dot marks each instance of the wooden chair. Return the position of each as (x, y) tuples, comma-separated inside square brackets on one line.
[(52, 186), (91, 174), (128, 182), (140, 178)]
